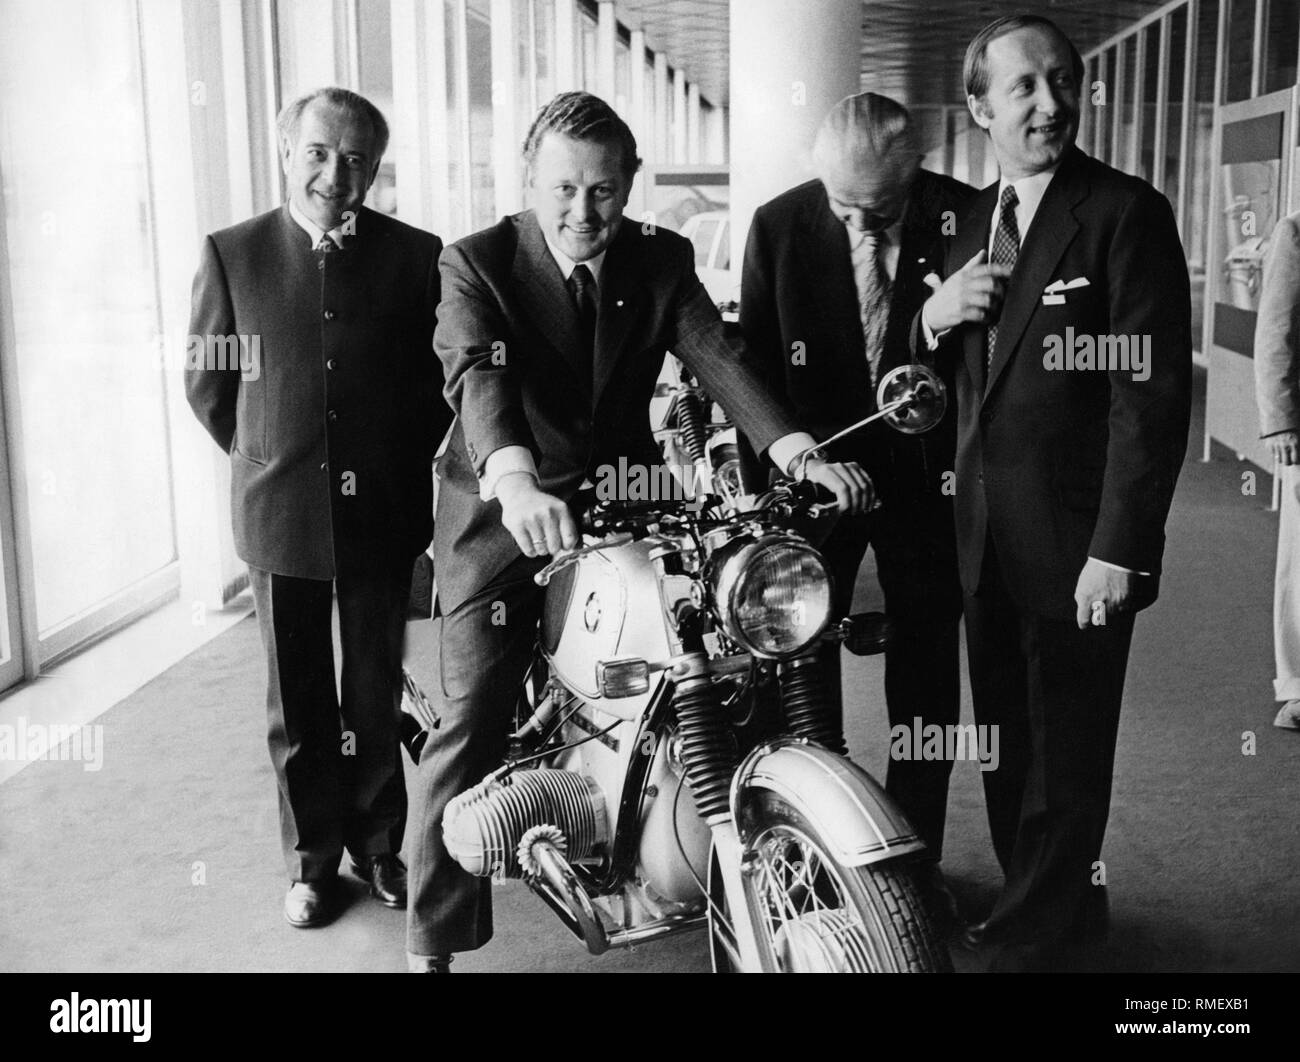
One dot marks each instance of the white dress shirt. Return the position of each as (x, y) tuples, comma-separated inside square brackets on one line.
[(313, 230)]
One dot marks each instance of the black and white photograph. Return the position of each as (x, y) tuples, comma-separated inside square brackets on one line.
[(651, 486)]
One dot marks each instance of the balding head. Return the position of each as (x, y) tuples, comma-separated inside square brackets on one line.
[(866, 154)]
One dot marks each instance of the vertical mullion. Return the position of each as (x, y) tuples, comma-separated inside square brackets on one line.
[(1162, 105), (1189, 113)]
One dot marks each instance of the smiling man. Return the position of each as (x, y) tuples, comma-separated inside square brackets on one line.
[(331, 445), (1064, 476), (552, 334)]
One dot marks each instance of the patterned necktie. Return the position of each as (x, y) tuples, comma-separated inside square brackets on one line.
[(582, 285), (1006, 246), (327, 245), (874, 291)]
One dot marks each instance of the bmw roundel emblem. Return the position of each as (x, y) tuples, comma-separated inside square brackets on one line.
[(591, 612)]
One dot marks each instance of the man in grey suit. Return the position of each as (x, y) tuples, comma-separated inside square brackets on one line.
[(331, 432), (1277, 388), (552, 333)]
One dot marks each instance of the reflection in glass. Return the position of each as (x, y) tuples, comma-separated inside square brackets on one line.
[(84, 290)]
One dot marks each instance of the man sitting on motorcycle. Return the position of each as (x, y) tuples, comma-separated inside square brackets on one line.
[(552, 332)]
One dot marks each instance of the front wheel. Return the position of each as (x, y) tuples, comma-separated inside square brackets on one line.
[(812, 914)]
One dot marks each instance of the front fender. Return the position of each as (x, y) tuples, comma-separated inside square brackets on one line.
[(851, 811)]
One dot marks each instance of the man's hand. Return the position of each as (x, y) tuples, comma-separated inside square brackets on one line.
[(851, 486), (540, 523), (1101, 592), (973, 293), (1285, 446)]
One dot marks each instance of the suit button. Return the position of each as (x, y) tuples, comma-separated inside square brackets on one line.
[(331, 364), (329, 315), (333, 414), (324, 466)]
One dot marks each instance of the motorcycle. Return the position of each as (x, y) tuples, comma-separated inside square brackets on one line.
[(676, 764)]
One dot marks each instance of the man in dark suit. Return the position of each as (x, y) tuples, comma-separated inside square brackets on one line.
[(552, 333), (1067, 303), (833, 276), (331, 431)]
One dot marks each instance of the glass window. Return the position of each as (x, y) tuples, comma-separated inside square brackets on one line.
[(1200, 157), (1281, 39), (544, 50), (1149, 104), (375, 73), (525, 60), (1103, 113), (587, 51), (479, 55), (1126, 111), (622, 78), (702, 239), (458, 205), (1241, 49), (304, 47), (1171, 166), (88, 357)]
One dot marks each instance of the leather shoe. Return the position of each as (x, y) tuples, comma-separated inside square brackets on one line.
[(308, 904), (428, 963), (386, 877)]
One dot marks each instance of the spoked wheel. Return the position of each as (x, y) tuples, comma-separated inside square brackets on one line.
[(812, 914)]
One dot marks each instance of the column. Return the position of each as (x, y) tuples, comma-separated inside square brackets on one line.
[(791, 61), (679, 116)]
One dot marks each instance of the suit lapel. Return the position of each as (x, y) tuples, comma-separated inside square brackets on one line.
[(828, 260), (1051, 231), (621, 296), (972, 236), (546, 302)]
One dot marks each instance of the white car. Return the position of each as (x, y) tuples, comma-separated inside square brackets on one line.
[(710, 233)]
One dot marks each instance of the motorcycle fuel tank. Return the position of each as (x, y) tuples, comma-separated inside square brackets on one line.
[(605, 607)]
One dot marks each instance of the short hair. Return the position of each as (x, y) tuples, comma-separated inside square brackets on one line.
[(582, 116), (863, 129), (975, 68), (356, 105)]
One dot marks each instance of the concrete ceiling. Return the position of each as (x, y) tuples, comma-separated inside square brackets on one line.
[(911, 49)]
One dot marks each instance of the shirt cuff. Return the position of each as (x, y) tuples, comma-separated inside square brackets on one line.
[(502, 462), (1117, 567), (788, 447), (931, 340)]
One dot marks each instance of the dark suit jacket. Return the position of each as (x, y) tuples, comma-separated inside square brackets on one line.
[(1060, 465), (331, 445), (798, 287), (504, 295)]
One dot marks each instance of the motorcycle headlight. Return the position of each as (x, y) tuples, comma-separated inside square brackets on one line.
[(773, 595)]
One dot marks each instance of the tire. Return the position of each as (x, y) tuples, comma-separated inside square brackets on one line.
[(814, 914)]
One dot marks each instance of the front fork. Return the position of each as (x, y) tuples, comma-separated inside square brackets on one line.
[(708, 752)]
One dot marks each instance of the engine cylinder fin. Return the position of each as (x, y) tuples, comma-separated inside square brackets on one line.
[(483, 826)]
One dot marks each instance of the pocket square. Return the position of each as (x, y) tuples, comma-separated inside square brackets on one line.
[(1054, 293)]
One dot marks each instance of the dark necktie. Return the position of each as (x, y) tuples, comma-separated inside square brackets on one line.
[(874, 290), (327, 245), (582, 285), (1006, 247)]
